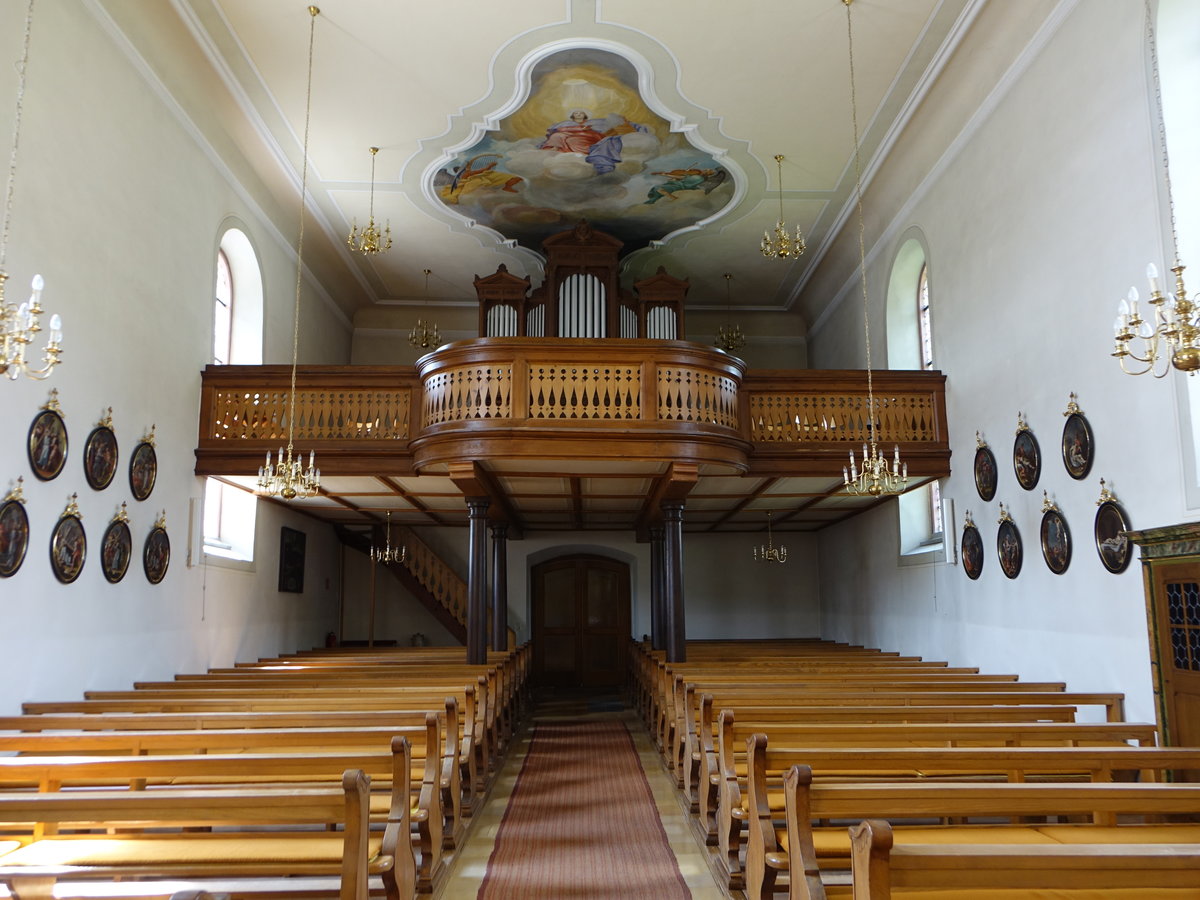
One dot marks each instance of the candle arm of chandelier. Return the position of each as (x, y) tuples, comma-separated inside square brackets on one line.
[(877, 476), (20, 325), (288, 478)]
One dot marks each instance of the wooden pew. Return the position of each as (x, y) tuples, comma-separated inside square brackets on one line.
[(436, 822), (772, 702), (507, 671), (497, 696), (388, 773), (816, 673), (723, 826), (765, 805), (881, 870), (479, 740), (666, 694), (351, 853), (1099, 804), (470, 776)]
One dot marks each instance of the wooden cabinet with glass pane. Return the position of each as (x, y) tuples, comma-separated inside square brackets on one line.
[(1171, 569)]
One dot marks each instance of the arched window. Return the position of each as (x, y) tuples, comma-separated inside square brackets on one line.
[(230, 511), (223, 312), (925, 333), (910, 346)]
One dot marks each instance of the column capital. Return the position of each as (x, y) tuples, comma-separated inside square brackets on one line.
[(672, 509)]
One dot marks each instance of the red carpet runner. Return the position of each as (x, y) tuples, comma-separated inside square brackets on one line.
[(582, 823)]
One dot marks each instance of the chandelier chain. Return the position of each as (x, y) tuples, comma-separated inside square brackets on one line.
[(12, 159), (779, 169), (312, 31), (877, 478), (1162, 128), (862, 253), (371, 203)]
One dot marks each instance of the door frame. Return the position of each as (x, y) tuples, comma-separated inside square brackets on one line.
[(575, 558)]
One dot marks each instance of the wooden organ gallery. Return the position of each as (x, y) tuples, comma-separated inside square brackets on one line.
[(545, 383)]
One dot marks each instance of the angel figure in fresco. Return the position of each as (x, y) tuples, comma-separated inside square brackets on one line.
[(599, 140), (467, 178), (684, 180)]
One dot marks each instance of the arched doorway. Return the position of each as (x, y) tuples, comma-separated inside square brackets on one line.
[(580, 621)]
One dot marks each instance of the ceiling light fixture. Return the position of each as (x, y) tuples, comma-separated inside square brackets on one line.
[(424, 336), (876, 477), (783, 245), (288, 478), (729, 337), (769, 552), (388, 554), (370, 239), (1171, 338), (19, 325)]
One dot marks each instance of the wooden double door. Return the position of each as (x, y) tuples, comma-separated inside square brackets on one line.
[(581, 621)]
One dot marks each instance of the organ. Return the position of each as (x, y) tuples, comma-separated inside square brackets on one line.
[(581, 296)]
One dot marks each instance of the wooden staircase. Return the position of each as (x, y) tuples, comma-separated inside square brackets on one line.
[(425, 575)]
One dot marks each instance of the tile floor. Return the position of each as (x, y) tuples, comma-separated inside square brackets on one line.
[(469, 862)]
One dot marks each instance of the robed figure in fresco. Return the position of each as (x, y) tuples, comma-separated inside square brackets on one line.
[(599, 140)]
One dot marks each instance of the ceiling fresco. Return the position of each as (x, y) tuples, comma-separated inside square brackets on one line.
[(584, 145)]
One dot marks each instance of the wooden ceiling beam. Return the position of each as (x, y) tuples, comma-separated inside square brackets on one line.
[(674, 484), (410, 498)]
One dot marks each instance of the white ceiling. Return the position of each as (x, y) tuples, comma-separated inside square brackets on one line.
[(746, 81)]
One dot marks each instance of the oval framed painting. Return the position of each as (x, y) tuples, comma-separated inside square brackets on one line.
[(14, 534), (47, 444), (116, 548), (1077, 445), (1112, 542), (1009, 547), (1027, 457), (985, 472), (100, 456), (68, 546), (156, 553), (143, 469), (1056, 541), (972, 550)]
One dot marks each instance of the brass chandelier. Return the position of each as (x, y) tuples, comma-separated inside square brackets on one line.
[(425, 334), (288, 478), (19, 325), (729, 337), (782, 245), (877, 476), (388, 553), (370, 239), (768, 552), (1170, 337)]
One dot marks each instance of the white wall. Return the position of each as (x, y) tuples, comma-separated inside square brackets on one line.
[(728, 594), (119, 208), (398, 616), (1037, 220)]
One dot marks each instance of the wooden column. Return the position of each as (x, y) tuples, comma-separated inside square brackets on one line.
[(500, 587), (657, 640), (477, 582), (676, 632)]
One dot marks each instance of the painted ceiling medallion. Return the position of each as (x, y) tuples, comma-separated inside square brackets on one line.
[(584, 145)]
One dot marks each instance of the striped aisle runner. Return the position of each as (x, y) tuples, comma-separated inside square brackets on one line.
[(582, 822)]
